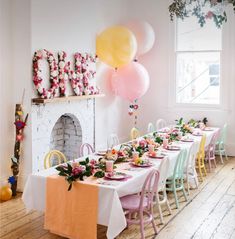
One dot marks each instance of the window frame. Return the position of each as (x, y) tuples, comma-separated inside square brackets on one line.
[(173, 75)]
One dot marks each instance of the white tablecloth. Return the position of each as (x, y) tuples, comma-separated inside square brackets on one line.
[(110, 211)]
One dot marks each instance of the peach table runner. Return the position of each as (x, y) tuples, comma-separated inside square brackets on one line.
[(72, 214)]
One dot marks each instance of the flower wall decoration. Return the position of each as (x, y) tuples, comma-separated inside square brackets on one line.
[(203, 10), (81, 78)]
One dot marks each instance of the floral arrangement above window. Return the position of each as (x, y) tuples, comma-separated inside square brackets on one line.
[(201, 9)]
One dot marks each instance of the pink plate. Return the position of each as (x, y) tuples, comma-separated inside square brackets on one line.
[(156, 156), (116, 176), (187, 140), (208, 129), (142, 165), (173, 148)]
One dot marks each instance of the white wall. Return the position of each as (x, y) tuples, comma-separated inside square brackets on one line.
[(72, 26), (6, 89)]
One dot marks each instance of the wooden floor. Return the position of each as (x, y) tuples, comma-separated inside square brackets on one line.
[(209, 213)]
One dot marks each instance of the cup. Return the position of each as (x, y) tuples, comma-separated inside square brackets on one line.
[(165, 143), (151, 148), (109, 165), (135, 155)]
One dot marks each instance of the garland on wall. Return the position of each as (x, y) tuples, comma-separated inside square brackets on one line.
[(81, 78), (20, 123), (203, 10)]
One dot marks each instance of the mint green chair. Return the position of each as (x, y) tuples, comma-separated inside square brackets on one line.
[(176, 182), (220, 144)]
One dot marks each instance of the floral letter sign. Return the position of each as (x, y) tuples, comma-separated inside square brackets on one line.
[(80, 78)]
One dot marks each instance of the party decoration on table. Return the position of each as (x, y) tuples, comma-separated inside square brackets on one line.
[(81, 78), (116, 46), (183, 127), (130, 82), (5, 193), (76, 171), (202, 10), (144, 34), (20, 124)]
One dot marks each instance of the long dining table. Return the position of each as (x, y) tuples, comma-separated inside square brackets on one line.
[(110, 212)]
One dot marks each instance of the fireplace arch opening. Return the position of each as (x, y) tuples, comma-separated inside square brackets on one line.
[(66, 136)]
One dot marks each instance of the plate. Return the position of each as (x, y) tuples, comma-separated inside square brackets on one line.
[(195, 134), (208, 129), (173, 147), (116, 175), (156, 156), (142, 165), (187, 140), (101, 152)]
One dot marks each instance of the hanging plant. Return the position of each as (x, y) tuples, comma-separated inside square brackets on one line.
[(203, 10)]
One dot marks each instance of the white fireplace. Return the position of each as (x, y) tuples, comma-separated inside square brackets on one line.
[(63, 126)]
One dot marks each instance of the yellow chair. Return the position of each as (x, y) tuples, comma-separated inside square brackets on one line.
[(59, 155), (135, 133), (200, 165)]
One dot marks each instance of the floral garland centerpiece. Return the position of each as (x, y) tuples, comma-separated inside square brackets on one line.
[(183, 127)]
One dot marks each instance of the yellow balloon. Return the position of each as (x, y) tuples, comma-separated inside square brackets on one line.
[(5, 193), (116, 46)]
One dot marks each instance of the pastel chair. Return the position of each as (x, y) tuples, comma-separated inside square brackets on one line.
[(150, 128), (85, 149), (220, 144), (175, 183), (161, 123), (112, 140), (161, 195), (54, 154), (200, 165), (142, 204), (190, 172), (135, 133), (210, 150)]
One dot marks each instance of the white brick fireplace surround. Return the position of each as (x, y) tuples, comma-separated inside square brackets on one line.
[(62, 126)]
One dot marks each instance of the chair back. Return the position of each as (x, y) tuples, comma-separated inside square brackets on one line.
[(224, 134), (85, 149), (212, 145), (112, 141), (163, 170), (150, 128), (191, 158), (201, 152), (179, 166), (150, 188), (161, 123), (135, 133), (54, 154)]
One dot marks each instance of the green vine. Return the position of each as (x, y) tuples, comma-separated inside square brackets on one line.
[(185, 8)]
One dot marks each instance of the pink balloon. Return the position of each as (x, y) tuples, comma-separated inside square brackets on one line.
[(144, 34), (131, 81)]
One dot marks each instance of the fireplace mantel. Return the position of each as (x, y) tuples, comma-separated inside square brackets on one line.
[(65, 99)]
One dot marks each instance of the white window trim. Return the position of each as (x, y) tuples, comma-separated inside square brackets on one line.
[(172, 104)]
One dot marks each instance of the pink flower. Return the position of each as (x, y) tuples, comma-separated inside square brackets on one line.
[(209, 15), (93, 162), (142, 143), (77, 170)]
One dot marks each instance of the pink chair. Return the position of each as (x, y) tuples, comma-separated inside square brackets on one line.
[(85, 149), (210, 150), (142, 203)]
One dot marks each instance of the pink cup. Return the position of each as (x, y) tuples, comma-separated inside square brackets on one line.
[(165, 143), (151, 148), (109, 165), (135, 155)]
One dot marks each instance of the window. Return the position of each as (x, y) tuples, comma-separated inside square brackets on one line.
[(198, 51)]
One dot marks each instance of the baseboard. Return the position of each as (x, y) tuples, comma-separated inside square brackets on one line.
[(230, 148)]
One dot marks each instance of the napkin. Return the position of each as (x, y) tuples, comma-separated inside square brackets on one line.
[(72, 214)]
